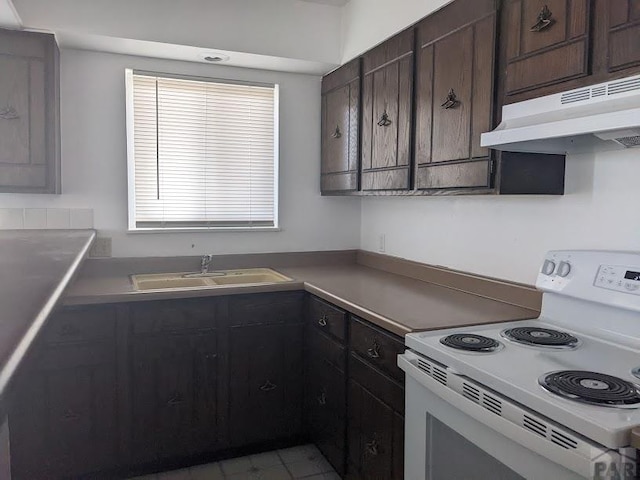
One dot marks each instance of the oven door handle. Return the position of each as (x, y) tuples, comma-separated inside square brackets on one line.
[(579, 463)]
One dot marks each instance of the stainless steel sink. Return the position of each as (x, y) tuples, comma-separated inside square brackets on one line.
[(217, 279)]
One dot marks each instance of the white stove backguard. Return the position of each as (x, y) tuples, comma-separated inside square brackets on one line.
[(597, 292)]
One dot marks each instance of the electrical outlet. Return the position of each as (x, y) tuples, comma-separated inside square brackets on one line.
[(382, 241), (101, 248)]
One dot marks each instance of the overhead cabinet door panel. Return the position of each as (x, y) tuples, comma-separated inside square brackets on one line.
[(29, 144), (548, 42), (624, 35), (386, 116), (340, 129), (454, 96)]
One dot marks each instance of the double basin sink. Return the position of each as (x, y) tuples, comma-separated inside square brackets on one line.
[(221, 278)]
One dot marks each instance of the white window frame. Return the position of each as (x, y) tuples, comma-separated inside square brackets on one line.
[(132, 228)]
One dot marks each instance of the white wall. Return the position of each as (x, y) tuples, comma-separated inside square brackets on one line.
[(366, 23), (281, 28), (507, 237), (95, 171)]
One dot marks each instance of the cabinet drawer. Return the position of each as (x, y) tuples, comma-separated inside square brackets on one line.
[(72, 325), (327, 318), (173, 316), (377, 348), (321, 347), (266, 309), (380, 385)]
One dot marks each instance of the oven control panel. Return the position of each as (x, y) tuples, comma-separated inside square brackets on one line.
[(605, 277), (618, 278)]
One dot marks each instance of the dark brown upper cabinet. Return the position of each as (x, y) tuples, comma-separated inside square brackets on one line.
[(29, 113), (454, 95), (546, 43), (387, 97), (341, 130), (623, 35)]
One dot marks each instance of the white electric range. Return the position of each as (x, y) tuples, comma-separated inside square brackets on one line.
[(551, 398)]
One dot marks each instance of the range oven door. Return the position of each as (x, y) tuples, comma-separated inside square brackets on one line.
[(449, 436)]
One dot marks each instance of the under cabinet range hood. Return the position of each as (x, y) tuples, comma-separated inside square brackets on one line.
[(597, 118)]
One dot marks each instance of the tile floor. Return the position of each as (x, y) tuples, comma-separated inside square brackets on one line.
[(303, 462)]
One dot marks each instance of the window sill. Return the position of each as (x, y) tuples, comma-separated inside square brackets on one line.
[(203, 230)]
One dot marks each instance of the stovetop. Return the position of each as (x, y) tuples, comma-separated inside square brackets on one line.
[(514, 370)]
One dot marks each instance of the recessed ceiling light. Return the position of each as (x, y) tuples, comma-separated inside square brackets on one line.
[(214, 57)]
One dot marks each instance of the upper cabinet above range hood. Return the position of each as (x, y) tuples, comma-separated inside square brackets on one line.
[(597, 118)]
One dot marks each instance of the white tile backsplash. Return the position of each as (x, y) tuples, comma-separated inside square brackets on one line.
[(81, 218), (11, 218), (45, 218), (58, 218), (35, 218)]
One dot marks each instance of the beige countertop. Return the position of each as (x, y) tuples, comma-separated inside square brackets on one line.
[(36, 266), (397, 303)]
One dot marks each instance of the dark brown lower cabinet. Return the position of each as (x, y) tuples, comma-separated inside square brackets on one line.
[(265, 383), (376, 437), (326, 384), (113, 391), (64, 417), (376, 403), (174, 396)]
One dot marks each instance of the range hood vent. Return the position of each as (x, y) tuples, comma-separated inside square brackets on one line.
[(597, 118)]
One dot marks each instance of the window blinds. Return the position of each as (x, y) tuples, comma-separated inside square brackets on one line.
[(203, 153)]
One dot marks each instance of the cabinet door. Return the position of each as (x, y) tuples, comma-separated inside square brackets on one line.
[(623, 42), (376, 443), (325, 409), (174, 395), (454, 96), (29, 119), (265, 383), (386, 114), (340, 129), (325, 396), (546, 43), (64, 421)]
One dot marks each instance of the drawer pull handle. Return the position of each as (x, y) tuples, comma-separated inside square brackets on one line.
[(323, 321), (175, 400), (544, 20), (337, 134), (70, 415), (9, 113), (322, 399), (210, 356), (372, 448), (384, 120), (451, 101), (374, 351), (268, 386)]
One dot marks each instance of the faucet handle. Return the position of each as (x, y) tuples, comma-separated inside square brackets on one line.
[(205, 261)]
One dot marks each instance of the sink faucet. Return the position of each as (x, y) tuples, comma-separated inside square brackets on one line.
[(205, 262)]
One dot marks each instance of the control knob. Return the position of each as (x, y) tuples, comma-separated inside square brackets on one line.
[(564, 268), (548, 267)]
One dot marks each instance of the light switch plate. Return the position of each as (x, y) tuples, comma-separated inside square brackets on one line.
[(101, 248)]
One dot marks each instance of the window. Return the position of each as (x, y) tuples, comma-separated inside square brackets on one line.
[(202, 154)]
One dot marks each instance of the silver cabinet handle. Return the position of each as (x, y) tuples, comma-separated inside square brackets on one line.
[(70, 415), (175, 399), (322, 399), (372, 448), (268, 386), (374, 351), (323, 321)]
